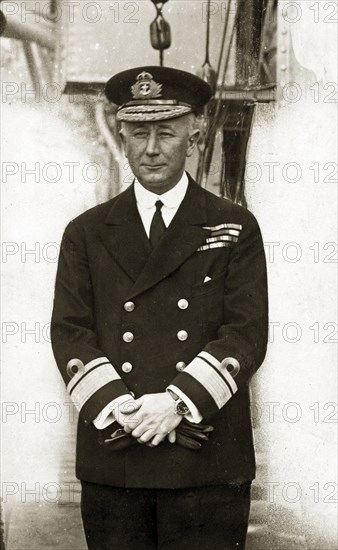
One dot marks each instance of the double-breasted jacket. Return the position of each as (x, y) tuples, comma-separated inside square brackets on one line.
[(192, 312)]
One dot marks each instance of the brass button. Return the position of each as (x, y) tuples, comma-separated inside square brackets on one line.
[(128, 337), (127, 367), (182, 335), (129, 306), (180, 366), (183, 303)]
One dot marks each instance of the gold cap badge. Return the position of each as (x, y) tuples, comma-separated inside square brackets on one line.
[(145, 87)]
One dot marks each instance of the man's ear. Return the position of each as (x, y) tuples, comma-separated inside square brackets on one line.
[(123, 141), (192, 142)]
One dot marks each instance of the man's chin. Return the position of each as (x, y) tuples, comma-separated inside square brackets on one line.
[(158, 182), (153, 172), (154, 178)]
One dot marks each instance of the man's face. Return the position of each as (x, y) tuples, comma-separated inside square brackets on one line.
[(156, 151)]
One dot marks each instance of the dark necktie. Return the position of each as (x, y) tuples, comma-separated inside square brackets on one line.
[(157, 227)]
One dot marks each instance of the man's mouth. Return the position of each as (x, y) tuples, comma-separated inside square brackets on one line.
[(153, 166)]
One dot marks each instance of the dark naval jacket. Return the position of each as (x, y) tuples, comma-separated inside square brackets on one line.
[(192, 312)]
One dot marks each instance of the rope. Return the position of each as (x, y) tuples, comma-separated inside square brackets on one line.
[(225, 28), (208, 151), (207, 45)]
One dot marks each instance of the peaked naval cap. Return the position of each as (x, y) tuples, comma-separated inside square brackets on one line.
[(156, 93)]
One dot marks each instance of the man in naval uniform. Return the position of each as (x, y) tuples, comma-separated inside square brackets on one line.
[(159, 322)]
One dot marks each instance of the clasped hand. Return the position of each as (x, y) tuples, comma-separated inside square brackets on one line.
[(150, 419)]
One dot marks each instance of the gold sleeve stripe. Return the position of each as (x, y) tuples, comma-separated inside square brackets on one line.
[(211, 380), (85, 370), (222, 369), (228, 378), (92, 382), (208, 357)]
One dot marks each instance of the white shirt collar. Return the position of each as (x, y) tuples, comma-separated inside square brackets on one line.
[(170, 199)]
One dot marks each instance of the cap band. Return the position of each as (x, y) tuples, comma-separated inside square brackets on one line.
[(155, 102)]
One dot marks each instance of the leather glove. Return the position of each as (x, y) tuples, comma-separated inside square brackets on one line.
[(188, 435)]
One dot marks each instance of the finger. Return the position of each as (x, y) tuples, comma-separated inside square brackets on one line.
[(138, 402), (141, 429), (146, 437), (130, 407), (132, 422), (172, 436), (128, 428), (157, 440), (129, 423)]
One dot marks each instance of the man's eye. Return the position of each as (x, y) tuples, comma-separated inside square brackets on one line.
[(166, 134)]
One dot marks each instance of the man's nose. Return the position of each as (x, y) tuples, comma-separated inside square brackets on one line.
[(152, 144)]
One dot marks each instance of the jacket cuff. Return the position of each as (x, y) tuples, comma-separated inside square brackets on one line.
[(93, 386), (109, 413), (208, 382)]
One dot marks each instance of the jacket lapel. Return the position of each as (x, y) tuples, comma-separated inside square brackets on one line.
[(124, 236), (182, 238)]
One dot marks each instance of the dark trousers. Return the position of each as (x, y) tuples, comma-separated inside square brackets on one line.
[(202, 518)]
